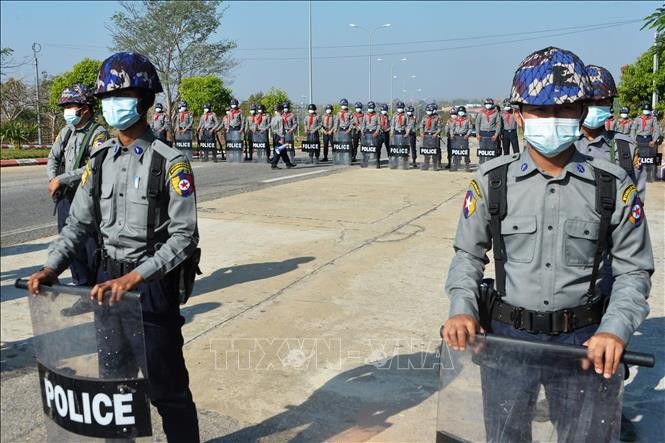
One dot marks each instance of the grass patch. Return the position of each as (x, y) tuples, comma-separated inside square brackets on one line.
[(13, 153)]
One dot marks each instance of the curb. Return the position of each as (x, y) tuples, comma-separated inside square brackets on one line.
[(23, 162)]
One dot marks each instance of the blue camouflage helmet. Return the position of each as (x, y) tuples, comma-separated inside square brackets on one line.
[(550, 76), (371, 104), (125, 70), (344, 102), (428, 107), (286, 105), (410, 109), (453, 111), (461, 109), (624, 110), (234, 102), (358, 105), (384, 107), (646, 106), (76, 94), (400, 104), (506, 101), (602, 83), (252, 107), (183, 104), (489, 101), (329, 107)]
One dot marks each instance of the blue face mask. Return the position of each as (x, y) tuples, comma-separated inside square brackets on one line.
[(120, 112), (551, 136), (596, 117), (72, 116)]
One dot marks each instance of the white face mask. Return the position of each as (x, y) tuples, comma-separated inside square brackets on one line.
[(183, 109), (328, 111), (461, 113), (359, 109), (228, 112), (384, 112), (409, 113), (233, 106), (251, 111), (646, 112), (428, 112), (507, 108), (345, 108), (400, 110), (72, 116), (286, 109), (370, 110), (488, 106), (206, 109), (311, 111), (624, 115), (551, 136)]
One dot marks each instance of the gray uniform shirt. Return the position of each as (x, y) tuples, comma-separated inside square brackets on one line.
[(328, 122), (277, 125), (250, 123), (208, 121), (262, 121), (68, 154), (160, 123), (343, 121), (488, 121), (411, 125), (644, 126), (124, 210), (622, 126), (599, 148), (370, 122), (234, 120), (399, 122), (550, 234), (291, 122), (184, 121), (461, 126), (313, 123), (357, 120), (508, 121), (430, 124)]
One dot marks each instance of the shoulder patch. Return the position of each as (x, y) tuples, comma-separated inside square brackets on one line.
[(98, 140), (469, 206), (105, 145), (87, 172), (636, 212), (627, 193), (496, 162), (182, 178), (476, 188)]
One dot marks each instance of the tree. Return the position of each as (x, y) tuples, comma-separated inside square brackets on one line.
[(176, 37), (84, 72), (657, 21), (636, 83), (15, 99), (255, 99), (205, 89), (273, 97)]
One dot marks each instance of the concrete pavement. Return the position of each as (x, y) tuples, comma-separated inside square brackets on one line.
[(322, 284)]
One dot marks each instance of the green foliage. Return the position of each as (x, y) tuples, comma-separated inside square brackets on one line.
[(273, 97), (205, 89), (636, 83), (84, 72), (255, 98), (177, 36), (17, 132), (17, 153), (656, 21)]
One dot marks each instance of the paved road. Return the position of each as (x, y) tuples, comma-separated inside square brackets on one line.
[(27, 210)]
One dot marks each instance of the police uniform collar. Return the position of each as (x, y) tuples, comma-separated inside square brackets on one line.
[(526, 164), (137, 147), (84, 128), (603, 136), (579, 165)]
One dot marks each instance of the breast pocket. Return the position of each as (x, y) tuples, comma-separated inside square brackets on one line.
[(519, 237), (580, 242), (137, 215), (107, 203)]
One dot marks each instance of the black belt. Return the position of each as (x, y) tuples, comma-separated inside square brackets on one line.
[(509, 130), (487, 133), (235, 128), (551, 322), (116, 268)]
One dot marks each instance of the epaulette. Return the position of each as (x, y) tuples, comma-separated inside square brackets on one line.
[(609, 167), (624, 137), (165, 150), (107, 144), (496, 162)]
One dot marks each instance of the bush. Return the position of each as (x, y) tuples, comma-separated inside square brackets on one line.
[(14, 153), (17, 132)]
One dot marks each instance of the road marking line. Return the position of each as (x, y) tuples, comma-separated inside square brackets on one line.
[(27, 229), (286, 177)]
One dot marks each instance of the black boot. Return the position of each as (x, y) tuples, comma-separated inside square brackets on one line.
[(627, 430)]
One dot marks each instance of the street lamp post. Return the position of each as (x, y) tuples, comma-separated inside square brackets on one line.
[(392, 77), (36, 47), (369, 53)]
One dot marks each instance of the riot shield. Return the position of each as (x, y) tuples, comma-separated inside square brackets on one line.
[(429, 149), (341, 149), (459, 151), (510, 390), (368, 148), (291, 150), (91, 366), (207, 145), (398, 157), (183, 143), (486, 149), (259, 145), (234, 146)]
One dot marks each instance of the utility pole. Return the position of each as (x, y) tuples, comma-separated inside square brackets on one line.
[(36, 47), (311, 98), (654, 96)]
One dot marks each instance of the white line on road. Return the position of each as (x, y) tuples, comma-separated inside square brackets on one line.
[(28, 229), (286, 177)]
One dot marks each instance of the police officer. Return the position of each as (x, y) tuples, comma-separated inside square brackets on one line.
[(277, 126), (596, 141), (328, 126), (262, 122), (235, 122), (249, 129), (343, 120), (183, 128), (646, 132), (431, 125), (357, 129), (206, 131), (138, 250), (461, 130), (544, 229), (411, 133), (64, 168), (449, 134), (313, 125), (160, 124), (290, 127), (488, 123), (399, 121), (370, 126), (384, 134), (624, 124), (509, 128)]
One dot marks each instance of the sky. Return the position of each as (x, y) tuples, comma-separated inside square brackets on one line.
[(452, 49)]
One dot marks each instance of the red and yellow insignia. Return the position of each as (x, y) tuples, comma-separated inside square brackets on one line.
[(469, 204), (476, 188), (636, 212), (636, 161), (99, 140), (627, 193), (182, 179), (87, 172)]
